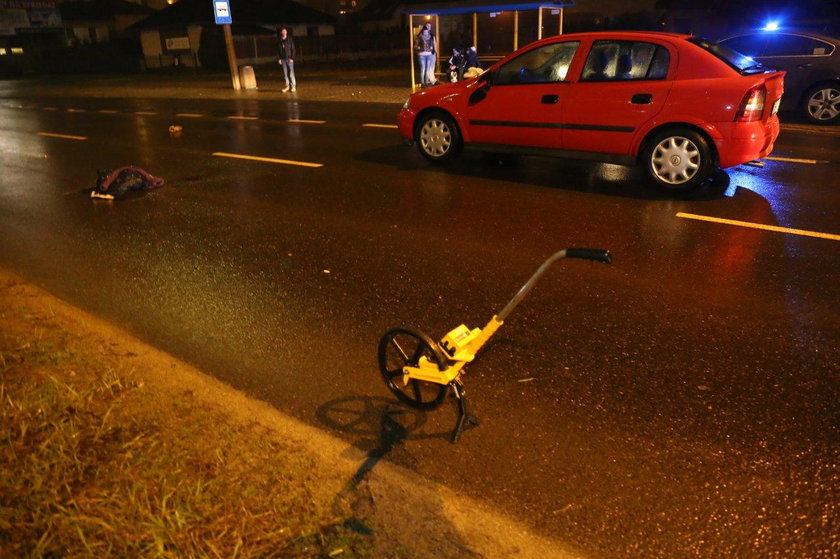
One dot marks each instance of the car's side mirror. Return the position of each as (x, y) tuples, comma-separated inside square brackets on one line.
[(483, 84), (479, 94)]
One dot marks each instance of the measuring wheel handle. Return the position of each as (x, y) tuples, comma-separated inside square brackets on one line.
[(595, 254)]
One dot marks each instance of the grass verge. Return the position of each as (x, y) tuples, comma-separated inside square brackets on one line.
[(93, 463)]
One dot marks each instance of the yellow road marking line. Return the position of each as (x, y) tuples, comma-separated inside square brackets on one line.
[(268, 159), (242, 117), (793, 160), (108, 111), (802, 232), (371, 125), (190, 115), (303, 121), (64, 136)]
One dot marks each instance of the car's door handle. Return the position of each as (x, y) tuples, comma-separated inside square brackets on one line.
[(642, 99), (550, 99), (806, 65)]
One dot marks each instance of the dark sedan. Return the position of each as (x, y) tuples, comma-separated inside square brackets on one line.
[(811, 63)]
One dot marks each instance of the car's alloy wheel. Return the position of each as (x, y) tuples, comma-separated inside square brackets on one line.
[(437, 137), (678, 159), (822, 105)]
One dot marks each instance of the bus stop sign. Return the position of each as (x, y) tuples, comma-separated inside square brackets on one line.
[(221, 8)]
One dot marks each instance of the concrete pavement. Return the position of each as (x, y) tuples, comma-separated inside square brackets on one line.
[(348, 83)]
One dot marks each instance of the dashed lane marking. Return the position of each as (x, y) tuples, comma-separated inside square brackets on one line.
[(239, 117), (304, 121), (774, 228), (108, 111), (76, 110), (268, 159), (145, 113), (190, 115), (373, 125), (62, 136)]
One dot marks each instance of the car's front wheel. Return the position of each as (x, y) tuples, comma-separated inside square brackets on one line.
[(678, 159), (822, 104), (437, 137)]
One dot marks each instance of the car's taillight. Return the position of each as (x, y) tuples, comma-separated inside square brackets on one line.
[(752, 106)]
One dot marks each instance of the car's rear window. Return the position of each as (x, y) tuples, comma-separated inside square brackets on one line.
[(740, 62)]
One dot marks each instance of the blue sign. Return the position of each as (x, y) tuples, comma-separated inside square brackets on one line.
[(221, 8)]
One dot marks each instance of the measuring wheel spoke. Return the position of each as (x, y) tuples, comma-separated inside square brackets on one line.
[(396, 345), (417, 394), (418, 353)]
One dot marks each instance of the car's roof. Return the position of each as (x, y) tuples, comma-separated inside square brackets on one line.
[(650, 34)]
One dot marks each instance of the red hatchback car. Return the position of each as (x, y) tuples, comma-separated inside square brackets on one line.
[(680, 105)]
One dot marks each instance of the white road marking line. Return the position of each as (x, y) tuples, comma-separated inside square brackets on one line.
[(108, 111), (190, 115), (304, 121), (62, 136), (774, 228), (75, 110), (268, 159), (236, 117), (372, 125), (795, 160), (145, 113)]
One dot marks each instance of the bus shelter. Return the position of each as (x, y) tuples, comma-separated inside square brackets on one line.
[(495, 29)]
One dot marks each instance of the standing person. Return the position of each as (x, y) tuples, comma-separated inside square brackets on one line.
[(426, 48), (286, 58)]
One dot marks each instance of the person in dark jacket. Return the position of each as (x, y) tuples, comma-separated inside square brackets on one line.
[(286, 58), (457, 64)]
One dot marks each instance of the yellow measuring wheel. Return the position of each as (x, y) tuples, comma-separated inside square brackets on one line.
[(420, 371)]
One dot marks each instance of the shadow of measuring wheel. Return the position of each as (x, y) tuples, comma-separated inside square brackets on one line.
[(376, 424)]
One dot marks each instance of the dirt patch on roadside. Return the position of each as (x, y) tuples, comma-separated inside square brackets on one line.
[(113, 447)]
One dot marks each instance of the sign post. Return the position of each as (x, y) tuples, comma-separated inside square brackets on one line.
[(221, 9)]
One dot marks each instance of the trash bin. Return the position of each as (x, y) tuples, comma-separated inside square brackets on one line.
[(247, 77)]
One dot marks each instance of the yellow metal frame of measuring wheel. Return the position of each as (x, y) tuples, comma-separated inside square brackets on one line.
[(460, 346)]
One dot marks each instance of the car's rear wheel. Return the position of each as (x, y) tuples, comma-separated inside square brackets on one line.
[(438, 137), (678, 159), (822, 104)]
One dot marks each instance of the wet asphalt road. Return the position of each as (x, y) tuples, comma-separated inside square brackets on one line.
[(682, 402)]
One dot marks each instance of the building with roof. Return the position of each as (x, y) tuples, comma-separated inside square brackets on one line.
[(99, 21), (186, 34)]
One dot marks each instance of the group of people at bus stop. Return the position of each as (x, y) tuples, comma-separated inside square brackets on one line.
[(462, 64)]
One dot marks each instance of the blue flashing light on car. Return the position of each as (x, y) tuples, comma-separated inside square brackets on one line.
[(771, 26)]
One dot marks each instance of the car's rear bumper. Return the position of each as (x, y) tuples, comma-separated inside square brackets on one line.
[(740, 142)]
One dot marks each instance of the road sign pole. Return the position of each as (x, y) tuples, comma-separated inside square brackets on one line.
[(231, 56)]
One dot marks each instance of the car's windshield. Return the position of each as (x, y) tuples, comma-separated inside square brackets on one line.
[(742, 63)]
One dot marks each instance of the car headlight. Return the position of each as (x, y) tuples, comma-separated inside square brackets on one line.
[(407, 103)]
